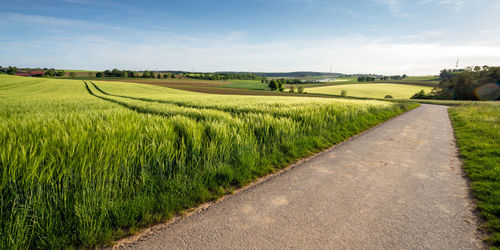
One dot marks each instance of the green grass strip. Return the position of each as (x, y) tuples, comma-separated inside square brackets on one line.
[(477, 129)]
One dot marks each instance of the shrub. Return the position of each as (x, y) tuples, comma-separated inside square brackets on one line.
[(343, 93), (300, 89), (419, 95), (388, 97), (292, 89)]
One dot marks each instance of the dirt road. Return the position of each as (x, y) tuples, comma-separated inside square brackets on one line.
[(399, 185)]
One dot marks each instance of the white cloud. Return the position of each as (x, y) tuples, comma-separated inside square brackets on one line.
[(355, 54)]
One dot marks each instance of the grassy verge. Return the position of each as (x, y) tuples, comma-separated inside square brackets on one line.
[(477, 129)]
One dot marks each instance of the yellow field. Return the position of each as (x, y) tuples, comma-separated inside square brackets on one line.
[(372, 90)]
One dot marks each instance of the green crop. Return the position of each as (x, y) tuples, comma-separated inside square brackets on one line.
[(84, 163)]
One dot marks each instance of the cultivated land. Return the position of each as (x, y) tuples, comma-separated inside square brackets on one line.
[(430, 81), (371, 90), (398, 186), (83, 163), (233, 87)]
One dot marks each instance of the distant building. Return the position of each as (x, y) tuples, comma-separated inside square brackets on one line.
[(327, 80), (37, 73), (31, 73)]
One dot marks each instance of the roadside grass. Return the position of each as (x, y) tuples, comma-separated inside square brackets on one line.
[(85, 163), (371, 90), (477, 129)]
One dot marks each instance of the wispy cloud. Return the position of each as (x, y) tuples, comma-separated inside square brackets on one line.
[(34, 21), (456, 5), (397, 6), (393, 5)]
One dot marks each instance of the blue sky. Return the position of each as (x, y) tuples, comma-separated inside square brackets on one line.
[(367, 36)]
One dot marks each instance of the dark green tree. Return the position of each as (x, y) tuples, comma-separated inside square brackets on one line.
[(11, 70), (272, 85)]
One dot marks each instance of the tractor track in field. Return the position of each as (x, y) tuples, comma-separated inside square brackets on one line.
[(399, 185), (237, 112)]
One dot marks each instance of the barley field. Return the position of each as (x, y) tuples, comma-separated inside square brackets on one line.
[(83, 163), (372, 90)]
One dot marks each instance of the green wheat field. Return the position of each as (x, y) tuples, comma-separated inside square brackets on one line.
[(86, 162)]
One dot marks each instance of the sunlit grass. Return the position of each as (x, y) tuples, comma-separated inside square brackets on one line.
[(477, 128)]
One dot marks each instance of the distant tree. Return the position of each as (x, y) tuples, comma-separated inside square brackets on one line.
[(98, 74), (388, 97), (272, 85), (11, 70), (72, 74), (281, 87), (172, 75), (158, 76), (107, 73), (404, 76), (292, 89), (146, 74), (116, 73), (165, 76), (124, 74), (50, 73), (343, 93), (300, 89)]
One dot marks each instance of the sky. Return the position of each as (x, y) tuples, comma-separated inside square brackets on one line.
[(413, 37)]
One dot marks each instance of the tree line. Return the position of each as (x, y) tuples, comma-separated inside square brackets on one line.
[(289, 81), (471, 83), (383, 78), (134, 74), (224, 76), (48, 72)]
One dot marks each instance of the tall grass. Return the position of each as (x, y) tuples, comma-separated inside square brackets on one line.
[(83, 163)]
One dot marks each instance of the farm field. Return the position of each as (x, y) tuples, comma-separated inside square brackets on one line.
[(430, 81), (477, 129), (85, 163), (246, 84), (371, 90)]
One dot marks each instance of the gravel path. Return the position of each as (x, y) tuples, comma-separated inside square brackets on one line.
[(399, 185)]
